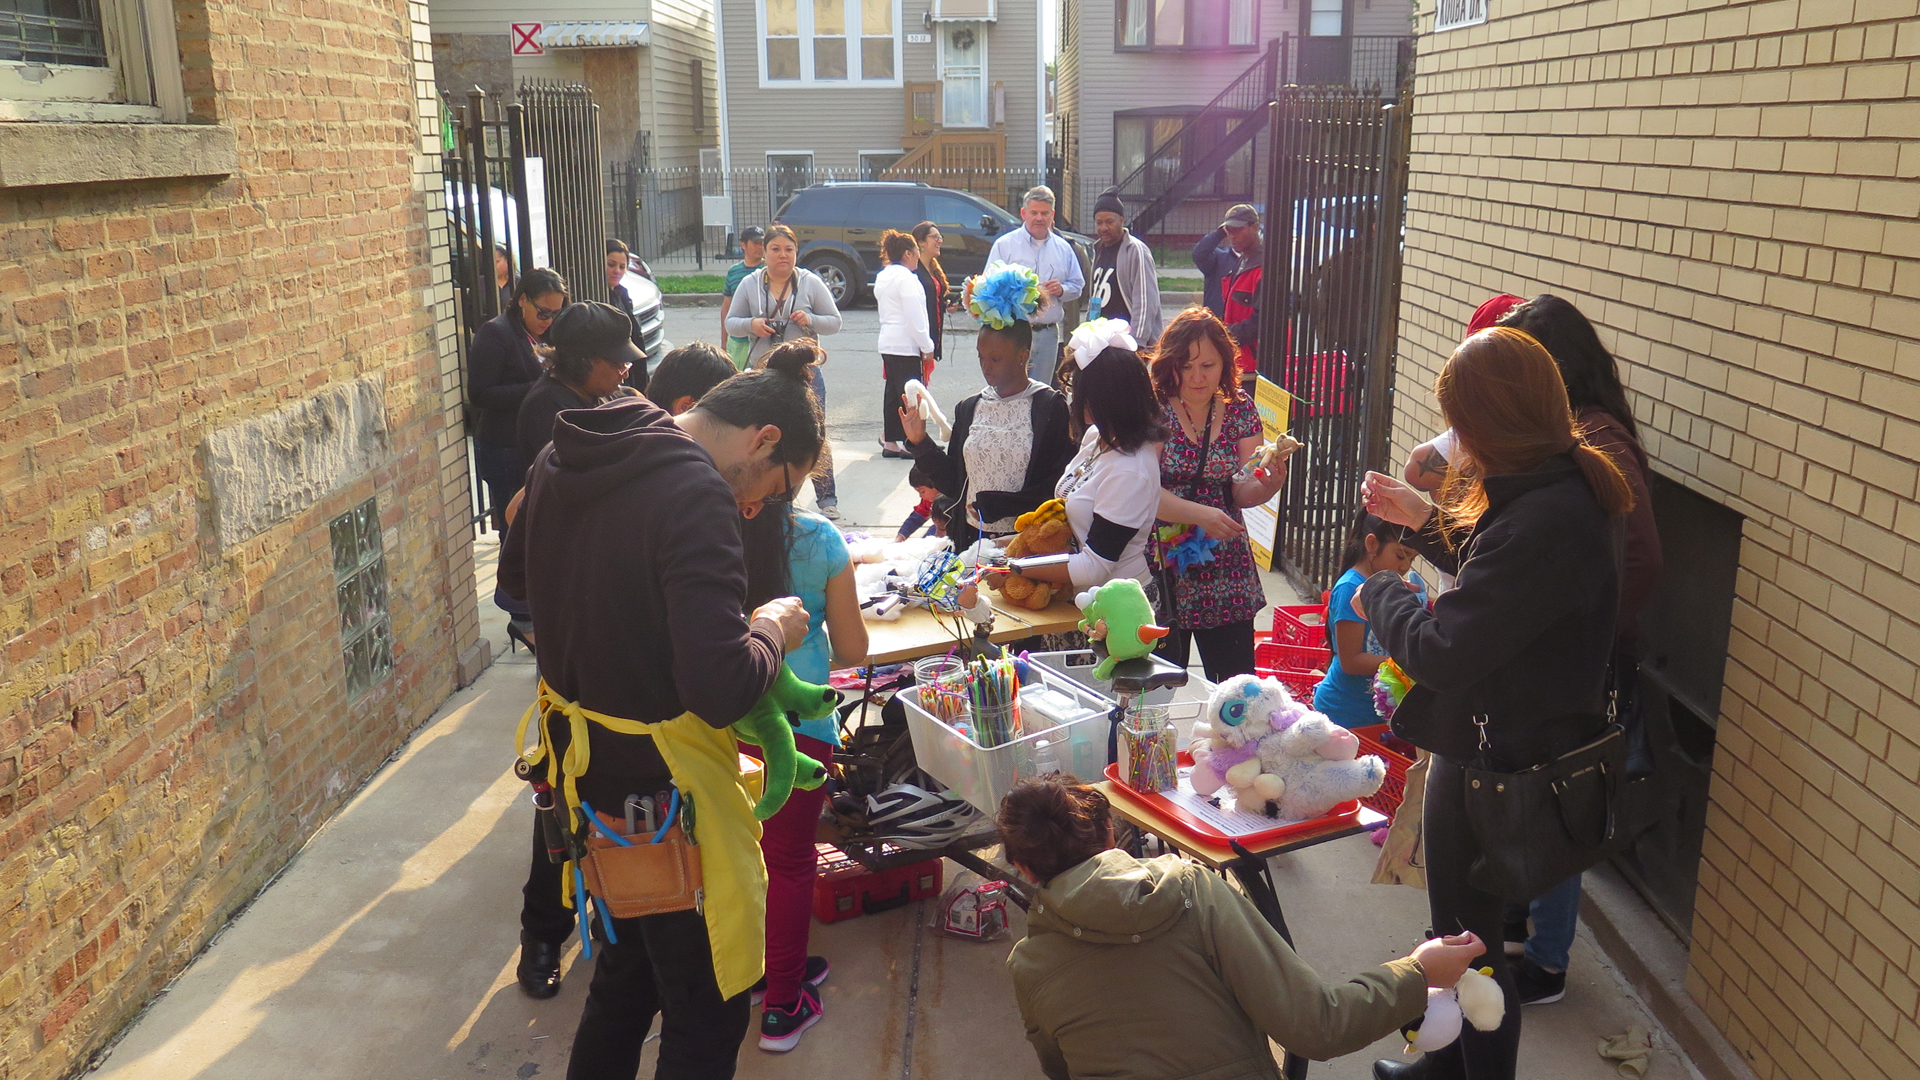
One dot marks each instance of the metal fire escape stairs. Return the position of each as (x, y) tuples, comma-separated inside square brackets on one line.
[(1241, 109)]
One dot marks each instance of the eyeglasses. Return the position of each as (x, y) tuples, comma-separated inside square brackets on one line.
[(786, 473), (547, 314)]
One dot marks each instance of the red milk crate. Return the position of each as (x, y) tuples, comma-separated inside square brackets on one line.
[(843, 889), (1279, 656), (1301, 684), (1387, 799), (1300, 624)]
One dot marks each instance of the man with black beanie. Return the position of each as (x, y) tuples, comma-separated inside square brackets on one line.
[(1125, 284)]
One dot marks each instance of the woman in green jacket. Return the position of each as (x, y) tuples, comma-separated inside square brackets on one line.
[(1161, 969)]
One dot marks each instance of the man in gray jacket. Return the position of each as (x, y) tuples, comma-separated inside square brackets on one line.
[(1124, 284)]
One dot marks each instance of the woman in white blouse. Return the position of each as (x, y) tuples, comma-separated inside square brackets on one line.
[(1112, 487), (906, 343)]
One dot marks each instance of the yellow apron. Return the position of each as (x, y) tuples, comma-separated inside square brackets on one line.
[(705, 763)]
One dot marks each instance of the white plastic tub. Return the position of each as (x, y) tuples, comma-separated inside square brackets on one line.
[(982, 775), (1184, 703)]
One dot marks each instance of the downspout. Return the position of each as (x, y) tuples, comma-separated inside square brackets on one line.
[(720, 91)]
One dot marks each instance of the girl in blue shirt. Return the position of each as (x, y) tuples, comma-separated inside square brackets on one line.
[(1346, 694)]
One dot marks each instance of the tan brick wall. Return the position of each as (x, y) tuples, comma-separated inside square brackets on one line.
[(1729, 191), (173, 715)]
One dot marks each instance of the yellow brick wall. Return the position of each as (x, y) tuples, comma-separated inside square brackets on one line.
[(1731, 191), (174, 721)]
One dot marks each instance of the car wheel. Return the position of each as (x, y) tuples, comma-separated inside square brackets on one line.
[(838, 277)]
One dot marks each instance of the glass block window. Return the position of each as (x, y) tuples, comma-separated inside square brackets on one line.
[(52, 32), (360, 586)]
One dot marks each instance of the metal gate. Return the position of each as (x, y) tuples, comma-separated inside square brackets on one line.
[(1330, 304), (524, 176)]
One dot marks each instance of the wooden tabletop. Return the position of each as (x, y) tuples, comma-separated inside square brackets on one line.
[(1214, 856), (919, 633)]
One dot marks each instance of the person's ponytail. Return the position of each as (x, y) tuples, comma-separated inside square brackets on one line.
[(794, 360), (1603, 475)]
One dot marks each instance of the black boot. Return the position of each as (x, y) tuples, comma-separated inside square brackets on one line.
[(539, 970), (1423, 1067)]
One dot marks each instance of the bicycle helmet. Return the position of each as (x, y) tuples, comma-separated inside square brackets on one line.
[(912, 817)]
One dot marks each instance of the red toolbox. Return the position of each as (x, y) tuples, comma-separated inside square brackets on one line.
[(843, 889)]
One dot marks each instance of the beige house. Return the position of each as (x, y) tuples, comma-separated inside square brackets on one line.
[(1729, 191), (650, 64), (864, 89)]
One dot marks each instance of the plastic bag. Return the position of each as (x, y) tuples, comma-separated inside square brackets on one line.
[(972, 909)]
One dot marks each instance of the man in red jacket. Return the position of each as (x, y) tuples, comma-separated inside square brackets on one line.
[(1241, 287)]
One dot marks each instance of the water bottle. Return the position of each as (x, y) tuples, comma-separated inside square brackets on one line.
[(1045, 761)]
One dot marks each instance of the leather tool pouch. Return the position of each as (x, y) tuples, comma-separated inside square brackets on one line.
[(647, 878)]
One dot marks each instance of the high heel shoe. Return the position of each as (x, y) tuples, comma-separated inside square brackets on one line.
[(515, 634)]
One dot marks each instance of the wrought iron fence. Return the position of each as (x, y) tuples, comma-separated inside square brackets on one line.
[(1330, 296)]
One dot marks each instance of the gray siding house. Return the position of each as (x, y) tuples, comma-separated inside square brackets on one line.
[(1132, 73), (882, 89)]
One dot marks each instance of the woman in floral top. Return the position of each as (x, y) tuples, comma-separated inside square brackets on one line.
[(1215, 432)]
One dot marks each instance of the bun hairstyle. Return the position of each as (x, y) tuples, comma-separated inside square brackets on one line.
[(1502, 394), (779, 394), (1054, 823), (1189, 328), (896, 244)]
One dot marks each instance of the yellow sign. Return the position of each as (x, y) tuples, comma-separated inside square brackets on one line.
[(1263, 521)]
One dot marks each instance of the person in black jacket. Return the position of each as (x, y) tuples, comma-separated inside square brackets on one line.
[(1511, 664), (592, 353), (1010, 442), (501, 367), (619, 258)]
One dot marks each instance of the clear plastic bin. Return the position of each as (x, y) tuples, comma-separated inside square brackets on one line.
[(1184, 703), (982, 775)]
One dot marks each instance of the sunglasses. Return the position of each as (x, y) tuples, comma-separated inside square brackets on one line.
[(547, 314)]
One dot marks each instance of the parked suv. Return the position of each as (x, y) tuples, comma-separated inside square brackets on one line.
[(839, 226)]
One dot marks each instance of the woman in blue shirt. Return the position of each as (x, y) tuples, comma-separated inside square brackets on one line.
[(1346, 694)]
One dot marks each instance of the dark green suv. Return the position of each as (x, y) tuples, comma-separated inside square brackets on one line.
[(840, 224)]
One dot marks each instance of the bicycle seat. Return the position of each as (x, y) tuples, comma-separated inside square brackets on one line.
[(1146, 673)]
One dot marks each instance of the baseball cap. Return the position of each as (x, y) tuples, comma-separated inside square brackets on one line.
[(593, 329), (1242, 214), (1492, 311), (752, 233)]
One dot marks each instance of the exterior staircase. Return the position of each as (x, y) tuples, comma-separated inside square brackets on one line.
[(1240, 111)]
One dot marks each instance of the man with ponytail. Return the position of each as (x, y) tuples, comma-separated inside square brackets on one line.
[(1511, 664), (628, 550)]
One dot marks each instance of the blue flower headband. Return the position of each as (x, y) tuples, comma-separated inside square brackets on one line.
[(1003, 294)]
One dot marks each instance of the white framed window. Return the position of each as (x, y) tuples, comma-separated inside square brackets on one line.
[(1454, 14), (80, 60), (829, 42), (1326, 18), (1185, 24)]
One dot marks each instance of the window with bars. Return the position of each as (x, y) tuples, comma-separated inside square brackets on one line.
[(53, 32), (1185, 24), (360, 587), (89, 60), (1179, 139), (830, 42)]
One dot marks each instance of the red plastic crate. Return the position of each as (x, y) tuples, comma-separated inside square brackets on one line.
[(1300, 624), (1301, 684), (843, 889), (1279, 656), (1387, 799)]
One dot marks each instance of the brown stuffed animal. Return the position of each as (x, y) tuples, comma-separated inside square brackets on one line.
[(1042, 532)]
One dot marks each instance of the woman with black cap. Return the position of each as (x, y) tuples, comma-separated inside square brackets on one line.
[(591, 355)]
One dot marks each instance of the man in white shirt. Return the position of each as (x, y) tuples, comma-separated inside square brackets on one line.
[(1051, 257)]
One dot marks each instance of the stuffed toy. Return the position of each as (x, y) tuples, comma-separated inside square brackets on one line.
[(1476, 997), (1042, 531), (1318, 762), (1119, 614), (920, 399), (769, 725), (1226, 745), (1390, 686)]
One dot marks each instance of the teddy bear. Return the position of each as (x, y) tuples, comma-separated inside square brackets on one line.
[(1318, 761), (1043, 531), (1226, 744)]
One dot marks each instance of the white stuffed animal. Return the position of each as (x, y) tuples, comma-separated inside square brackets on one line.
[(1317, 761), (920, 399), (1476, 996), (1226, 745)]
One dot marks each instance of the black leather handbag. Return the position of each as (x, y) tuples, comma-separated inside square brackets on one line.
[(1540, 826)]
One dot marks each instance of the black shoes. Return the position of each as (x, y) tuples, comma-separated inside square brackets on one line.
[(1536, 985), (539, 969), (1393, 1069), (817, 971)]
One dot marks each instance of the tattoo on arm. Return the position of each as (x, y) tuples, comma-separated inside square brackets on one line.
[(1431, 464)]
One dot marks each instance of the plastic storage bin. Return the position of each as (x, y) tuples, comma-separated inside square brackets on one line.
[(1387, 799), (1277, 656), (1300, 624), (844, 889), (981, 775), (1184, 704)]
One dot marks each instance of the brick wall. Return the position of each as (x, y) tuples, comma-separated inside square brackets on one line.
[(1728, 191), (173, 713)]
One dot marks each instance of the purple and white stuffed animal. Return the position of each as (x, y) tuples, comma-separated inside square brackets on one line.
[(1226, 745)]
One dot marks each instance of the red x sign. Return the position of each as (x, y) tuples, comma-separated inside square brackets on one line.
[(525, 39)]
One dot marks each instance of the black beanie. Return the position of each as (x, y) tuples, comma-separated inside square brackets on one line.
[(1109, 202)]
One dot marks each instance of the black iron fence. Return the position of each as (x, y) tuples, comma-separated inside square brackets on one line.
[(1328, 320)]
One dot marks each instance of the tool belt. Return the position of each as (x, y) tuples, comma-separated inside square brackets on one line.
[(647, 878)]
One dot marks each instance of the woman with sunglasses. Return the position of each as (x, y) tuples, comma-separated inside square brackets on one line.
[(501, 368)]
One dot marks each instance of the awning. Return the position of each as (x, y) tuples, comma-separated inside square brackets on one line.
[(965, 10), (594, 35)]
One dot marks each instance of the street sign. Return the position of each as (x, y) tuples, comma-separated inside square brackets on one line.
[(526, 39)]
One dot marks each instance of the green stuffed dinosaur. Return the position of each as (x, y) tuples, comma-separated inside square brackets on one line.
[(769, 725), (1120, 612)]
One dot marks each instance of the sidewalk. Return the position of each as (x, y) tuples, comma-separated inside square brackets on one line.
[(387, 947)]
